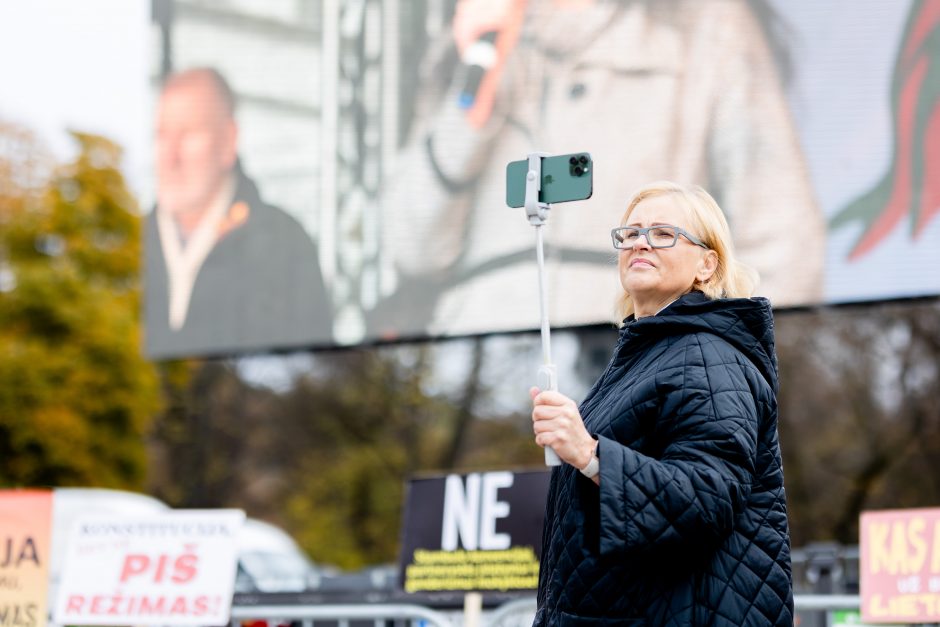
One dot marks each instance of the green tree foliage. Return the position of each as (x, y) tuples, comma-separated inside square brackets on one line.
[(76, 395)]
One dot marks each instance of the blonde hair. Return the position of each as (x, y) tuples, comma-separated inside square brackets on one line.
[(706, 220)]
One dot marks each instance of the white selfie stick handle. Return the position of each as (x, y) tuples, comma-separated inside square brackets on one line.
[(548, 380), (537, 214)]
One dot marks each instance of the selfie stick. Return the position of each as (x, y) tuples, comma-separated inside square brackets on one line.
[(537, 212)]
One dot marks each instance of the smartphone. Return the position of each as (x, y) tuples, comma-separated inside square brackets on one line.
[(564, 178)]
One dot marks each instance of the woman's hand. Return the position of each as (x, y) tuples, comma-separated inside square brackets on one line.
[(557, 423)]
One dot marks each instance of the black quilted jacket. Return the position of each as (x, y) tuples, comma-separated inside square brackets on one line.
[(689, 524)]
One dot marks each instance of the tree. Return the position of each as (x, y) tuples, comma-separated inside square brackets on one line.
[(351, 432), (76, 396), (328, 458), (859, 421)]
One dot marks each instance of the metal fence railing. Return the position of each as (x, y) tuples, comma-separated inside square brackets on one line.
[(380, 614), (826, 602), (513, 613)]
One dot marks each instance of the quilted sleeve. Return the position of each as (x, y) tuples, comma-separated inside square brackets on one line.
[(687, 497)]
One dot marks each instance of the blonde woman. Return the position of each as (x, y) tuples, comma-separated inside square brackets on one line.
[(670, 508)]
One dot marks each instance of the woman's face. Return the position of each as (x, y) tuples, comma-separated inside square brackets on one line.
[(654, 277)]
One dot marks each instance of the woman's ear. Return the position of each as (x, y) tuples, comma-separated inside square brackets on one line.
[(707, 266)]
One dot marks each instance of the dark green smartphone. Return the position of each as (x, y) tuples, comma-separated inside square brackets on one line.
[(564, 178)]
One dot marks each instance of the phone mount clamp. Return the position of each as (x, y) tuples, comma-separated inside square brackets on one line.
[(537, 213)]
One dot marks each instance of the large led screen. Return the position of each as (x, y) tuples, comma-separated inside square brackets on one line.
[(333, 173)]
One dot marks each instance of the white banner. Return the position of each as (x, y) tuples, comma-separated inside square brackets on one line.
[(176, 568)]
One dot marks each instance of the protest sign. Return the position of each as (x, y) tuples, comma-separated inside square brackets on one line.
[(474, 532), (176, 568), (900, 566)]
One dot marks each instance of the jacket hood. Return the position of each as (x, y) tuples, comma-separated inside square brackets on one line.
[(745, 323)]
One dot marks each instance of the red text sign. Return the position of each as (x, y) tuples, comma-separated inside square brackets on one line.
[(176, 568)]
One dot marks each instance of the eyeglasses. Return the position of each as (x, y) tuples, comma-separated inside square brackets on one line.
[(659, 236)]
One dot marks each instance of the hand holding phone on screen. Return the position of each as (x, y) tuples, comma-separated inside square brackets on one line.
[(485, 32)]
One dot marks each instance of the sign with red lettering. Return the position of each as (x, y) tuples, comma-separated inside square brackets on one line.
[(25, 525), (900, 566), (176, 568)]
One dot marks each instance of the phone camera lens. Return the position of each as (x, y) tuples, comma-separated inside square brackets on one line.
[(583, 159), (573, 161), (578, 171)]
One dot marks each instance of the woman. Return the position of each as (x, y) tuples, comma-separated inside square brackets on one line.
[(670, 509)]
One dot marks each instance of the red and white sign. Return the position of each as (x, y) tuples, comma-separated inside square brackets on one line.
[(900, 566), (176, 568)]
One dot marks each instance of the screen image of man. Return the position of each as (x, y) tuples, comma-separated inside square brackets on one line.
[(225, 271)]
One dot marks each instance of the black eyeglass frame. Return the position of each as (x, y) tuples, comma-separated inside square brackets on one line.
[(644, 232)]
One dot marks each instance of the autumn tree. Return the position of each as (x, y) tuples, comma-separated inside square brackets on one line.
[(75, 393)]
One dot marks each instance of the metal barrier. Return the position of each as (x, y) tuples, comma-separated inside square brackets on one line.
[(380, 613), (825, 602), (519, 612), (510, 614)]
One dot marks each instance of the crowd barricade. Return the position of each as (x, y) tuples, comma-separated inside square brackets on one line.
[(512, 613), (345, 615)]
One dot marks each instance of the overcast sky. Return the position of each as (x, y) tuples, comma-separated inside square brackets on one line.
[(83, 65)]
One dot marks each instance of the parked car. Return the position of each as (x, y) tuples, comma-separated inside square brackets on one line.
[(270, 561)]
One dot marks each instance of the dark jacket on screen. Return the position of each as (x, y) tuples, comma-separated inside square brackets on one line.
[(260, 288), (689, 524)]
